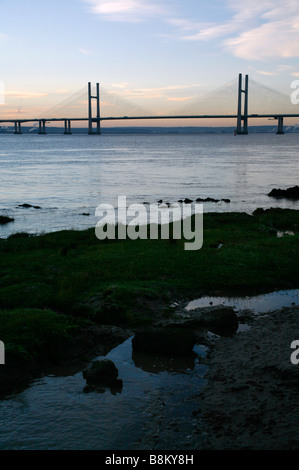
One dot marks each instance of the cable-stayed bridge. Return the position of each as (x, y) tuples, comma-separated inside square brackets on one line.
[(239, 99)]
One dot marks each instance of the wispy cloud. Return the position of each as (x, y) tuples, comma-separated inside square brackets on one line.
[(25, 94), (256, 30), (85, 51), (265, 72), (120, 85), (61, 91), (182, 98), (126, 10), (154, 93)]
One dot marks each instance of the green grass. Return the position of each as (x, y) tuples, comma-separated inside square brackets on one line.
[(125, 282), (35, 334)]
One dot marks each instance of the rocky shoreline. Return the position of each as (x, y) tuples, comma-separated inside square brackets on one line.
[(17, 373), (250, 400)]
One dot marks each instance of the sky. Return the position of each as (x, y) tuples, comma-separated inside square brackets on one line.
[(159, 54)]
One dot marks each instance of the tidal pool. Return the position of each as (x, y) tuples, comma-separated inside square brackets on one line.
[(152, 410), (258, 303)]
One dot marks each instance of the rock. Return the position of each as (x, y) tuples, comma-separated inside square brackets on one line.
[(187, 200), (207, 199), (102, 372), (245, 316), (220, 320), (85, 213), (175, 341), (290, 193), (211, 199), (5, 220), (26, 206)]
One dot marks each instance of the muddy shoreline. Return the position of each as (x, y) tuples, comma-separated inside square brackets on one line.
[(251, 397), (250, 400)]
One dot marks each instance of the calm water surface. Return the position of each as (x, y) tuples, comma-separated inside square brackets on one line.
[(68, 176)]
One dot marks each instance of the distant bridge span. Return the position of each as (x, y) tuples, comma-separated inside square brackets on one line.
[(242, 116)]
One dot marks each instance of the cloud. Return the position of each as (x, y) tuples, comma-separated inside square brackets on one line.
[(25, 94), (125, 10), (273, 39), (183, 98), (264, 72), (256, 29), (120, 85), (61, 91), (85, 51), (154, 93)]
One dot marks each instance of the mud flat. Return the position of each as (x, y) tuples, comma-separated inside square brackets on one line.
[(251, 397)]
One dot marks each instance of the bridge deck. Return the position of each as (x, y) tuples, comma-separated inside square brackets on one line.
[(200, 116)]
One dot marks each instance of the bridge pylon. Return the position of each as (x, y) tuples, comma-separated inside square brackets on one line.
[(97, 118), (242, 117)]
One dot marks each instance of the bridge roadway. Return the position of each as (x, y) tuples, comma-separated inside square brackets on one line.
[(67, 121), (199, 116)]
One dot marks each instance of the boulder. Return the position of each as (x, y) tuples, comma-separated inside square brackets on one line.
[(219, 319), (101, 372), (174, 341), (290, 193), (27, 206), (245, 316), (5, 220)]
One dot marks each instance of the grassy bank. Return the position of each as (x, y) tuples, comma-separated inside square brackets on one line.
[(50, 283)]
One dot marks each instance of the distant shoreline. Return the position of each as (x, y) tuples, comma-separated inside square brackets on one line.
[(193, 130)]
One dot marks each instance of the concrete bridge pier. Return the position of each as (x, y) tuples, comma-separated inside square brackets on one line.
[(42, 126), (280, 125), (242, 117), (91, 120), (18, 128), (67, 127)]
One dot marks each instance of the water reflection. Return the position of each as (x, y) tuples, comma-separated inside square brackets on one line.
[(55, 412), (115, 388), (161, 363), (257, 304)]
